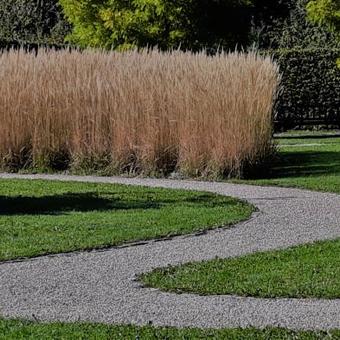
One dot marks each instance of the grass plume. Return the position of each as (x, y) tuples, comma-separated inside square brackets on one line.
[(146, 112)]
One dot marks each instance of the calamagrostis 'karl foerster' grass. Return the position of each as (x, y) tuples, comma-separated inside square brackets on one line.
[(139, 112)]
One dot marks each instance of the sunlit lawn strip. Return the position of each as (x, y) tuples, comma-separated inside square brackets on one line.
[(306, 271), (11, 329), (305, 165), (40, 217)]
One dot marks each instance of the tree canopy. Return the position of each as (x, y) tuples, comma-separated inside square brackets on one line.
[(325, 12), (185, 24), (189, 24)]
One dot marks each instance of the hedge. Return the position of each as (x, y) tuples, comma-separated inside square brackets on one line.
[(33, 20), (6, 45), (310, 88)]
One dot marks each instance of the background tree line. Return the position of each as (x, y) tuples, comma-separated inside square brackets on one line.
[(301, 35), (186, 24)]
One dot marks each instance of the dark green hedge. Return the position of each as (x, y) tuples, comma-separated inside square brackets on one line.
[(30, 46), (310, 93), (32, 20)]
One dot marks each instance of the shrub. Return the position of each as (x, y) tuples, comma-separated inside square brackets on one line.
[(147, 112), (310, 88), (325, 12), (32, 21), (189, 24)]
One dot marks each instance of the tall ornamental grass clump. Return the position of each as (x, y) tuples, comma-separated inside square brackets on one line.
[(146, 112)]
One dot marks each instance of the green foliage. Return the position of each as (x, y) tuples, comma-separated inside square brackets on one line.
[(284, 24), (190, 24), (310, 87), (287, 26), (34, 21), (325, 12)]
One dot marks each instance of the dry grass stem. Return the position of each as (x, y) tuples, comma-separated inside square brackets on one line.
[(139, 112)]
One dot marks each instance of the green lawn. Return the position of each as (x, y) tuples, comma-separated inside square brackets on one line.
[(308, 163), (40, 217), (307, 271), (20, 330), (307, 134), (44, 217), (282, 142), (304, 271)]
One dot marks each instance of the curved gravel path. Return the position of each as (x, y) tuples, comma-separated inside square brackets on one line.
[(101, 286)]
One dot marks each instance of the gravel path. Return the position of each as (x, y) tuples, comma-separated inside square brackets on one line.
[(101, 286)]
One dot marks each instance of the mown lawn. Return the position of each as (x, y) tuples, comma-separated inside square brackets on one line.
[(19, 330), (308, 163), (305, 271), (41, 217)]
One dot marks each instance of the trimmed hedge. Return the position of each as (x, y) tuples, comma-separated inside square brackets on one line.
[(6, 45), (32, 20), (310, 93)]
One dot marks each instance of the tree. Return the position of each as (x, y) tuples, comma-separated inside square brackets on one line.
[(38, 21), (189, 24), (325, 12)]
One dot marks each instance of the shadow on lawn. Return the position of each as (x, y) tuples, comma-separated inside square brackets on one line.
[(309, 136), (61, 204), (86, 202), (305, 163)]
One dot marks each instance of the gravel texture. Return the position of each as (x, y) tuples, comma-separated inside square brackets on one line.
[(101, 286)]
